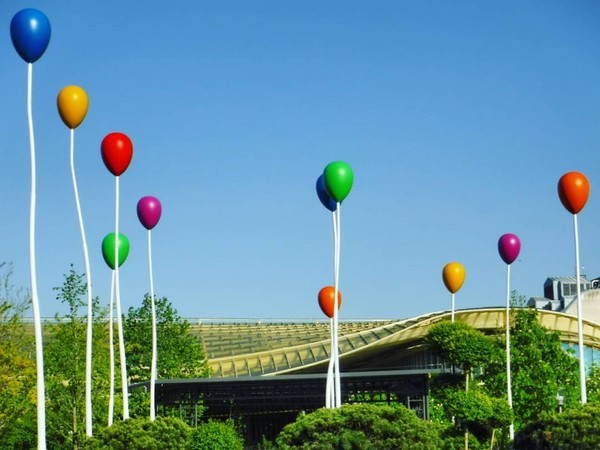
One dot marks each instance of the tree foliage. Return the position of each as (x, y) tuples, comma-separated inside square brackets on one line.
[(216, 435), (164, 433), (17, 367), (180, 354), (360, 426), (574, 429), (65, 359), (540, 367)]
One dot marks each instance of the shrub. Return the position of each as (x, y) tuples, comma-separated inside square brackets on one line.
[(576, 428), (164, 433), (360, 426), (215, 435)]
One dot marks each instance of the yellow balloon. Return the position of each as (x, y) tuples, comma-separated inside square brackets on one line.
[(72, 102), (453, 276)]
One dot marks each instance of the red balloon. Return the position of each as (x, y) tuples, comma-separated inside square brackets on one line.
[(326, 296), (117, 151), (573, 191)]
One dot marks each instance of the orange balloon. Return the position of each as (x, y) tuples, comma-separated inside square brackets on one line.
[(453, 276), (72, 103), (573, 191), (326, 296)]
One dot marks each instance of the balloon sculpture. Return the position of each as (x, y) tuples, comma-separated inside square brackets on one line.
[(453, 276), (509, 247), (72, 103), (117, 152), (573, 192), (30, 34), (149, 211), (338, 179)]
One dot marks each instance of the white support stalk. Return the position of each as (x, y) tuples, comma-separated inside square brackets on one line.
[(35, 303), (122, 358), (111, 338), (511, 428), (582, 380), (452, 315), (88, 274), (337, 388), (153, 368)]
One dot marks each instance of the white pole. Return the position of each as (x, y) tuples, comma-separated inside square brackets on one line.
[(35, 304), (582, 380), (122, 359), (453, 307), (88, 274), (111, 338), (338, 392), (329, 383), (511, 428), (153, 369)]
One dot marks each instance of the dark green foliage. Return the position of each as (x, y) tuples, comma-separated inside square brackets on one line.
[(180, 354), (461, 344), (215, 435), (64, 357), (540, 367), (164, 433), (575, 429), (360, 427)]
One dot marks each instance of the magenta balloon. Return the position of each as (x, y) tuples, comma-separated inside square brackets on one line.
[(509, 247), (149, 211)]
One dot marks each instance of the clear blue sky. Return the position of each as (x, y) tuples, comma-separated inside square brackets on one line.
[(458, 119)]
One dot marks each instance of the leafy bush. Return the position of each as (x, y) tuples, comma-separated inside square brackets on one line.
[(215, 435), (164, 433), (360, 426), (576, 428)]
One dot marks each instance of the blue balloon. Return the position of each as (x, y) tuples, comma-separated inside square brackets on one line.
[(30, 34), (327, 201)]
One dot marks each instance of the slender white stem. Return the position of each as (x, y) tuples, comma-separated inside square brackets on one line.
[(453, 297), (111, 337), (329, 383), (122, 359), (153, 368), (511, 428), (88, 274), (337, 388), (35, 304), (582, 380)]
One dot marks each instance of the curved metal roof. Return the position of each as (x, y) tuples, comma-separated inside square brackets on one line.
[(369, 341)]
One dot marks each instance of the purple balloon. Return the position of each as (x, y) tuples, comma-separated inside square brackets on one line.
[(326, 200), (509, 247), (149, 211)]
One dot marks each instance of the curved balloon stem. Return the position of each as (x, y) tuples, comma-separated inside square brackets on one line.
[(452, 307), (88, 273), (329, 383), (582, 381), (511, 428), (122, 357), (153, 368), (336, 373), (111, 337), (35, 304)]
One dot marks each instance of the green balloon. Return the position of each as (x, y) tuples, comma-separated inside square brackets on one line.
[(108, 249), (338, 179)]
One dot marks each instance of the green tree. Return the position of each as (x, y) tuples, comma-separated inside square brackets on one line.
[(360, 426), (17, 368), (575, 429), (164, 433), (180, 353), (64, 356), (470, 411), (540, 368), (215, 435)]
